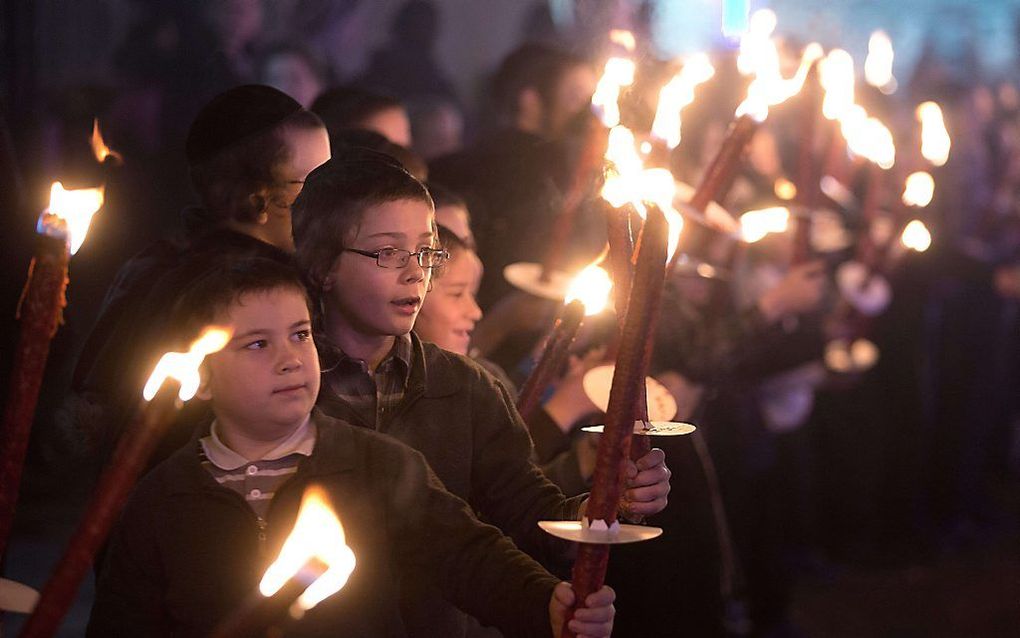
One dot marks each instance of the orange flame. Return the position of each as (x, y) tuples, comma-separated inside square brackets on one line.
[(678, 93), (592, 286), (785, 189), (878, 67), (755, 224), (317, 534), (618, 73), (759, 56), (916, 236), (836, 74), (919, 189), (935, 142), (868, 138), (623, 38), (184, 366), (69, 214), (99, 147)]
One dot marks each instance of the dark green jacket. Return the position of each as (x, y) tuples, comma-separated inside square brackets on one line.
[(188, 551), (462, 420)]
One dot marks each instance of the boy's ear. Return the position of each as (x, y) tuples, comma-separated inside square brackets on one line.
[(204, 392), (259, 202)]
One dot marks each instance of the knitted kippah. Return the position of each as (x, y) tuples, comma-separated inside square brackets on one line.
[(234, 115)]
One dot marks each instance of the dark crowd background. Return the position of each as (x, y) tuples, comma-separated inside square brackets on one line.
[(890, 511)]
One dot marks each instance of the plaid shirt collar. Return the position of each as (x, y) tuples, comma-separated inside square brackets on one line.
[(373, 396)]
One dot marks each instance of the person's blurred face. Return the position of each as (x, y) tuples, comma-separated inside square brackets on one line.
[(393, 124), (450, 312), (292, 75), (571, 96), (307, 149), (456, 219)]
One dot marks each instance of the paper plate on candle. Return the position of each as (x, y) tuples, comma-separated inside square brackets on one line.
[(598, 381), (619, 534), (652, 428), (16, 597), (714, 217), (688, 266), (869, 293), (527, 276), (839, 194)]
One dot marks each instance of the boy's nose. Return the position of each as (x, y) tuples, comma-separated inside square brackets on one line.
[(413, 272), (288, 361)]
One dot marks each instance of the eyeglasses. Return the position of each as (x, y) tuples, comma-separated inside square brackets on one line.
[(398, 258)]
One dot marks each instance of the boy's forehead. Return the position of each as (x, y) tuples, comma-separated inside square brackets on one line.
[(409, 217), (265, 308)]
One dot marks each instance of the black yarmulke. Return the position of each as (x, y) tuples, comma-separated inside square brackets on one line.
[(234, 115)]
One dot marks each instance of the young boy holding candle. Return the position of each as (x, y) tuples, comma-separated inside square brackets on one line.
[(365, 234), (249, 150), (202, 527)]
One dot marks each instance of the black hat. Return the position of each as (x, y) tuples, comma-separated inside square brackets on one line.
[(234, 115)]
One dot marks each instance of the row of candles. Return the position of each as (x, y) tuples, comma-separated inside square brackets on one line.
[(314, 561)]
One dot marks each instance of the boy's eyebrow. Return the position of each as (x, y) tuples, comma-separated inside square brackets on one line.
[(394, 235), (258, 331)]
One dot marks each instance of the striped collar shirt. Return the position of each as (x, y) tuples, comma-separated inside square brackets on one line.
[(373, 397), (256, 481)]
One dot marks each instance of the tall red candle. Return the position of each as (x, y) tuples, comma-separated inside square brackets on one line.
[(115, 485), (554, 355), (39, 313), (625, 394), (808, 174), (719, 175)]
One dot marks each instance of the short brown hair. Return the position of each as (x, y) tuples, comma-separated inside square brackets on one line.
[(333, 200)]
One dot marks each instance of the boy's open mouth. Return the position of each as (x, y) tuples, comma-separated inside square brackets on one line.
[(407, 305)]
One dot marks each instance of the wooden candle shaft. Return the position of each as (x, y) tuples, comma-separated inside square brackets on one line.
[(554, 355), (808, 177), (873, 191), (259, 612), (108, 499), (39, 314), (627, 388), (718, 177)]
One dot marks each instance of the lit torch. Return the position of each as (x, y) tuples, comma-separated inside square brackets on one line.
[(314, 563), (677, 94), (756, 224), (587, 295), (878, 67), (935, 142), (916, 236), (176, 376), (61, 231)]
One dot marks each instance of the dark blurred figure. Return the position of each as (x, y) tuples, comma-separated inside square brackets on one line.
[(349, 107), (514, 179), (347, 139), (293, 70), (406, 67), (437, 126)]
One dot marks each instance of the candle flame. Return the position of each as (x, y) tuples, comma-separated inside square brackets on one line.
[(678, 93), (867, 137), (755, 224), (785, 189), (592, 286), (916, 236), (836, 74), (629, 182), (99, 147), (919, 189), (184, 366), (317, 534), (617, 73), (878, 67), (624, 38), (759, 56), (935, 142), (69, 214)]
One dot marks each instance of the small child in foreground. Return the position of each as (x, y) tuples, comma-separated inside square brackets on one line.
[(202, 527)]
